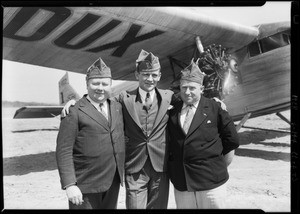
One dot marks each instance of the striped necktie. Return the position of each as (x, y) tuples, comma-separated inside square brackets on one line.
[(188, 118), (103, 111)]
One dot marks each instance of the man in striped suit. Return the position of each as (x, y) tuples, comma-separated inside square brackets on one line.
[(145, 112)]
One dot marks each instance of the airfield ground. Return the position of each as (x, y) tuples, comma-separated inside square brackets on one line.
[(259, 173)]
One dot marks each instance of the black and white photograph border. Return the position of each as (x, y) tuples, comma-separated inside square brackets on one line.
[(260, 173)]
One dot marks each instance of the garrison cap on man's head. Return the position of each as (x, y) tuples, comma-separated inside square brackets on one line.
[(98, 70), (147, 62), (192, 73)]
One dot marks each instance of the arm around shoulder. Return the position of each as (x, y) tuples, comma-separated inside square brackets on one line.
[(65, 111)]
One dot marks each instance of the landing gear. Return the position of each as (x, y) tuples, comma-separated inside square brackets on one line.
[(242, 122), (247, 116)]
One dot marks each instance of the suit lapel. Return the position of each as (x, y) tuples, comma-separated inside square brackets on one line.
[(199, 116), (165, 103), (88, 108), (129, 101)]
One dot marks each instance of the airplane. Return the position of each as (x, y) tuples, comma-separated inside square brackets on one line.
[(247, 67)]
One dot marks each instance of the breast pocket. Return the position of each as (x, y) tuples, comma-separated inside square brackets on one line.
[(209, 130)]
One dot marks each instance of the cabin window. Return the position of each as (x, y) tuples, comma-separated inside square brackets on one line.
[(254, 49), (269, 43), (272, 42)]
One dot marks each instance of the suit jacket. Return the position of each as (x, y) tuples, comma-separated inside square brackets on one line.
[(196, 160), (89, 151), (140, 147)]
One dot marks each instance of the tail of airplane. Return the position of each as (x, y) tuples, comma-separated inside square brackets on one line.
[(66, 91)]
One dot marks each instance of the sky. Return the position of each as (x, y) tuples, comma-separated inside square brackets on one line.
[(28, 83)]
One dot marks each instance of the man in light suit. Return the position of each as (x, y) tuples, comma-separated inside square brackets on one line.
[(145, 112), (202, 142), (90, 150)]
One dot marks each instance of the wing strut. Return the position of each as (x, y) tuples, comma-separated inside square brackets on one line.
[(283, 118)]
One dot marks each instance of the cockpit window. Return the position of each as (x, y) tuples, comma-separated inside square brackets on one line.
[(272, 42), (268, 44), (287, 38)]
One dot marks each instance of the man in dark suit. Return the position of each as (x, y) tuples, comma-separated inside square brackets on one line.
[(202, 142), (90, 150), (145, 112)]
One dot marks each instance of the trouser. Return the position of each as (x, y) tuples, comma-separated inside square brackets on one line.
[(101, 200), (208, 199), (147, 189)]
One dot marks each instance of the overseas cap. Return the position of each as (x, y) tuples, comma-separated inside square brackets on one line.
[(98, 70), (147, 62), (192, 73)]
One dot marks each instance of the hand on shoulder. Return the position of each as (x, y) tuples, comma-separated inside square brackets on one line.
[(66, 109), (223, 105)]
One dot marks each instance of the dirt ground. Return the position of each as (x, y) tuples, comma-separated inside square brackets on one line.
[(259, 173)]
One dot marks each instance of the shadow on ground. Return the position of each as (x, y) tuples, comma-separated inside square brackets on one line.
[(25, 164), (21, 165), (257, 137), (266, 155)]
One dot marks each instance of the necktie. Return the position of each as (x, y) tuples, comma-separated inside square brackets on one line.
[(188, 119), (103, 111), (147, 102)]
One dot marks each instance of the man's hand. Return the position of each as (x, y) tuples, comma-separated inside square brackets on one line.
[(223, 106), (65, 110), (74, 195)]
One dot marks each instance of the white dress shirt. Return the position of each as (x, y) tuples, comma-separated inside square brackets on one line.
[(144, 93), (97, 105), (184, 111)]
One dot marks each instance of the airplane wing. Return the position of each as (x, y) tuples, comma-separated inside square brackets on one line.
[(38, 112), (72, 38)]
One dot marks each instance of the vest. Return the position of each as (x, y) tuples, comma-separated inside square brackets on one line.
[(147, 118)]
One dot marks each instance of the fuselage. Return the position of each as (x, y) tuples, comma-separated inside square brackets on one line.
[(265, 74)]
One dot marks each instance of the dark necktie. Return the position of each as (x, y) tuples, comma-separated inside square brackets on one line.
[(148, 104), (188, 118)]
